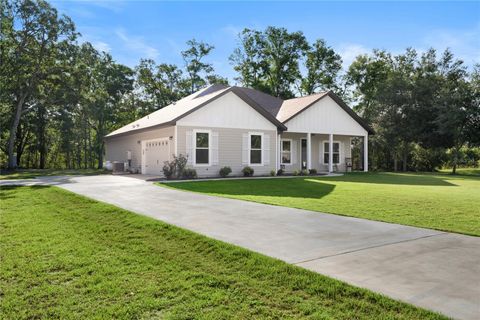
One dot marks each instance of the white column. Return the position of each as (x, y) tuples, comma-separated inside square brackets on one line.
[(309, 151), (330, 153), (365, 153), (279, 150)]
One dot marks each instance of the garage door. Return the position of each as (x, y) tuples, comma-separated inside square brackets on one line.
[(154, 154)]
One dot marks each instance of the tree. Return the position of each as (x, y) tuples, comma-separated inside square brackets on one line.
[(31, 33), (196, 69)]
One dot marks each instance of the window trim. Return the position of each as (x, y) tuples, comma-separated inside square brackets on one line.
[(250, 134), (209, 132), (281, 152), (322, 155)]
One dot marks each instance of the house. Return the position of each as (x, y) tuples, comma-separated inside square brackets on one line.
[(237, 127)]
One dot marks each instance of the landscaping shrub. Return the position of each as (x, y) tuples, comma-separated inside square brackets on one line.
[(225, 171), (313, 171), (175, 169), (296, 172), (304, 172), (247, 172), (280, 172), (272, 173), (189, 173)]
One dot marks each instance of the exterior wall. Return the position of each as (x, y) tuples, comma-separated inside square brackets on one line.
[(325, 116), (228, 111), (116, 147), (317, 151), (230, 149)]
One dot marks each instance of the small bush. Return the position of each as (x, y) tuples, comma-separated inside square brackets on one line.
[(225, 171), (280, 172), (272, 173), (175, 168), (304, 172), (296, 172), (247, 172), (189, 173), (313, 171)]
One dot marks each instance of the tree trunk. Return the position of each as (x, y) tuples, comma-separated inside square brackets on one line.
[(405, 157), (395, 162), (13, 132)]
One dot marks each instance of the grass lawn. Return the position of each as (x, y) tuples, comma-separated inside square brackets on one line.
[(85, 259), (33, 173), (437, 201)]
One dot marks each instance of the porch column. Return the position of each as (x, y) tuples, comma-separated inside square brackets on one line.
[(365, 153), (279, 151), (330, 152), (309, 151)]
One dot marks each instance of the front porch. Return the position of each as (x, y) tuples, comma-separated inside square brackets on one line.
[(322, 152)]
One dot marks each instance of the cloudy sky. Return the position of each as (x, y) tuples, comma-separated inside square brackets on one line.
[(131, 30)]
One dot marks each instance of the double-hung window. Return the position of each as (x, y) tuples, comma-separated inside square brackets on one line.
[(256, 148), (202, 145), (336, 152), (286, 151)]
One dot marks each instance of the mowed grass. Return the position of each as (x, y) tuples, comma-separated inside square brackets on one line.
[(437, 201), (34, 173), (64, 256)]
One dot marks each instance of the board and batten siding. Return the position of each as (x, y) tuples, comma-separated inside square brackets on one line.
[(325, 117), (116, 147), (230, 150)]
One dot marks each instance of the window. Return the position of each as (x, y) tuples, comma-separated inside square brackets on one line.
[(202, 143), (255, 149), (286, 151), (336, 152)]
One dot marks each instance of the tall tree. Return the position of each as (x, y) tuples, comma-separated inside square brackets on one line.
[(195, 67), (30, 35)]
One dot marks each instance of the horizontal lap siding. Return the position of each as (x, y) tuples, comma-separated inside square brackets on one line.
[(116, 147), (229, 151)]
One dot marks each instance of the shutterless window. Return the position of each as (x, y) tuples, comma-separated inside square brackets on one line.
[(286, 151), (336, 152), (256, 149), (201, 147)]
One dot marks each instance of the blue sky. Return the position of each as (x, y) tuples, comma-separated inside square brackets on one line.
[(130, 30)]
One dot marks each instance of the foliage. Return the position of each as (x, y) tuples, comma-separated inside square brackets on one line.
[(312, 172), (436, 201), (296, 172), (424, 159), (304, 172), (272, 173), (225, 171), (175, 169), (189, 173), (248, 171), (280, 172)]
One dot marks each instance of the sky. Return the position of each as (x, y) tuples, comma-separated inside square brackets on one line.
[(131, 30)]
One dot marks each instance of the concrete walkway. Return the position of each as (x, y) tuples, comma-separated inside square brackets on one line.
[(431, 269)]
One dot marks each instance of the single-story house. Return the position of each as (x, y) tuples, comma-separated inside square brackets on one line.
[(238, 127)]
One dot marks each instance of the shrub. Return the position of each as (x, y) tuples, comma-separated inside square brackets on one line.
[(313, 171), (280, 172), (304, 172), (296, 172), (225, 171), (175, 168), (247, 172), (190, 173), (272, 173)]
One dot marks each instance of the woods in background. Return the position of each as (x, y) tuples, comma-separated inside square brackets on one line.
[(59, 97)]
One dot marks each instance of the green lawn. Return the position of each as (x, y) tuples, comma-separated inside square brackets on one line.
[(33, 173), (437, 201), (85, 259)]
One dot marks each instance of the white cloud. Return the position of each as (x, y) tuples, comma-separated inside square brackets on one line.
[(137, 44), (101, 46), (349, 51)]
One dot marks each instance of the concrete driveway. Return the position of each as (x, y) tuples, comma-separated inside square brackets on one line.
[(431, 269)]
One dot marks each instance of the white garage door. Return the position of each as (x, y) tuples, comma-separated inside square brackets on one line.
[(154, 154)]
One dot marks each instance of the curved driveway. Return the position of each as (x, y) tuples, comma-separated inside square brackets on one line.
[(435, 270)]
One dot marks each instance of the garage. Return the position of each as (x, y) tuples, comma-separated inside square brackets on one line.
[(154, 153)]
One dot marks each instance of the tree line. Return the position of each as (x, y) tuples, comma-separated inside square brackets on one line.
[(60, 97)]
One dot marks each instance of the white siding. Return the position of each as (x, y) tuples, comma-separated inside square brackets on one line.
[(325, 116), (228, 111)]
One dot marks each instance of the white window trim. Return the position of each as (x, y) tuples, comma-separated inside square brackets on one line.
[(322, 151), (281, 152), (250, 134), (194, 143)]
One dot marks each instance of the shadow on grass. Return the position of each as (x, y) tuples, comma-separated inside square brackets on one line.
[(8, 191), (413, 179)]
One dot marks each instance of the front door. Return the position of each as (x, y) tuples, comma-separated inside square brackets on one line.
[(304, 154)]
